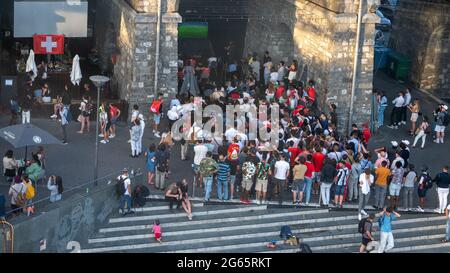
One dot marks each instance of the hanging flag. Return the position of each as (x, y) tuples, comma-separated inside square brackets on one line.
[(48, 44)]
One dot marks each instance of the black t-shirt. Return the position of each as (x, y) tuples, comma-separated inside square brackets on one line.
[(328, 173), (442, 180), (66, 98)]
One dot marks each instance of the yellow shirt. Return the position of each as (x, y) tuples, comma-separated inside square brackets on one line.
[(382, 174), (299, 171)]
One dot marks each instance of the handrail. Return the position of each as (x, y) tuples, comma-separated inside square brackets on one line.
[(92, 184), (4, 223)]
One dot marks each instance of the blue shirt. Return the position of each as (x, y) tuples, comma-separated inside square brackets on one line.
[(386, 222), (232, 68), (223, 171)]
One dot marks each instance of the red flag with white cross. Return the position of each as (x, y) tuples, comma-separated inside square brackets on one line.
[(48, 44)]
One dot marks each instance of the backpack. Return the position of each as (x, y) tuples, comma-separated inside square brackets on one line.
[(381, 221), (154, 108), (427, 182), (30, 192), (89, 108), (361, 225), (446, 120), (428, 130), (120, 186), (304, 248)]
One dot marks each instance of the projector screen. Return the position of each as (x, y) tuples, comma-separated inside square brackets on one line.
[(68, 17), (194, 30)]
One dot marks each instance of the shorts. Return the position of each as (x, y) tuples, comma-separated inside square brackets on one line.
[(158, 236), (298, 185), (414, 117), (339, 190), (365, 241), (114, 121), (317, 177), (108, 126), (232, 179), (157, 118), (394, 189), (439, 129), (261, 185), (422, 192), (247, 184)]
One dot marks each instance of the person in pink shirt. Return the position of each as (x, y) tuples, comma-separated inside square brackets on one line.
[(157, 231)]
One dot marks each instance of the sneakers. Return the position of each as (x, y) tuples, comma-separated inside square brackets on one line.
[(101, 135), (420, 209), (112, 136), (53, 116), (157, 135), (104, 141), (437, 210), (363, 212), (65, 143), (359, 217)]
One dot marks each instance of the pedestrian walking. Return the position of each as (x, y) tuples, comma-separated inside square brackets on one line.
[(442, 181), (366, 180), (365, 228), (447, 229), (156, 229), (385, 224), (139, 142), (422, 131), (208, 167), (408, 188)]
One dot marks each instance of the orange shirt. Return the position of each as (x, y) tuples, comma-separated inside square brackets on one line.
[(382, 175)]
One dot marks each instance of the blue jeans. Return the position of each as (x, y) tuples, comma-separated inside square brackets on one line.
[(381, 110), (208, 181), (307, 189), (223, 184), (447, 231), (125, 199)]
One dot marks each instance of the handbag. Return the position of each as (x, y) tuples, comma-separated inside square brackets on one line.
[(80, 118)]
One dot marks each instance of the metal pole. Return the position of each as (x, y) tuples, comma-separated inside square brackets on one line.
[(355, 65), (96, 137), (158, 38)]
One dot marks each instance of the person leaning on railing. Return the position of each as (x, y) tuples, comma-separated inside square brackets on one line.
[(55, 186)]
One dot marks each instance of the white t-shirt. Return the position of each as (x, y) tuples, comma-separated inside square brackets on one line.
[(231, 133), (365, 188), (281, 168), (398, 102), (200, 153)]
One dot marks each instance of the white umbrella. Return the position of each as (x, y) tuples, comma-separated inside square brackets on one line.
[(75, 75), (31, 65)]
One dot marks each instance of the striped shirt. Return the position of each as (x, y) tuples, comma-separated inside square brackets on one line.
[(224, 171)]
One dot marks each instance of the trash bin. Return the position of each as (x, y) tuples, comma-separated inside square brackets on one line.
[(398, 65), (381, 58)]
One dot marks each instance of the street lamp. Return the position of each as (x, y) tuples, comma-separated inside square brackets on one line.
[(99, 81)]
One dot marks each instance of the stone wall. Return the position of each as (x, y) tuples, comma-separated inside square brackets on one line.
[(421, 31), (323, 41), (133, 28)]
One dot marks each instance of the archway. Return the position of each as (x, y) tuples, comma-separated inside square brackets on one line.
[(435, 76)]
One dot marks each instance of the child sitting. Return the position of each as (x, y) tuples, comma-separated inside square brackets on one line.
[(157, 231)]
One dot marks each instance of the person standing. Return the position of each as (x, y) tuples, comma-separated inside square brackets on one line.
[(423, 131), (248, 175), (425, 183), (15, 110), (83, 118), (341, 181), (142, 126), (382, 105), (353, 182), (223, 176), (126, 196), (309, 176), (27, 104), (396, 113), (365, 182), (9, 166), (17, 195), (162, 166), (151, 159), (298, 183), (367, 235), (447, 229), (55, 186), (64, 122), (415, 109), (442, 120), (442, 181), (115, 114), (262, 179), (406, 103), (208, 167), (281, 174), (200, 151), (156, 110), (328, 175), (135, 135), (385, 224), (408, 188), (396, 184)]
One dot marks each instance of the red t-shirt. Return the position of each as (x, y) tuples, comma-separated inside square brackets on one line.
[(309, 169), (113, 111), (294, 151), (312, 94), (317, 160), (367, 135), (279, 92)]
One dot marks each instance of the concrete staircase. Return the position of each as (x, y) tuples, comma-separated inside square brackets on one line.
[(235, 228)]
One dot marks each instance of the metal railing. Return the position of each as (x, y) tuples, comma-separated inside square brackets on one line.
[(80, 189)]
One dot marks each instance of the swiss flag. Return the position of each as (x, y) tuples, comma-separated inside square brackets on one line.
[(48, 44)]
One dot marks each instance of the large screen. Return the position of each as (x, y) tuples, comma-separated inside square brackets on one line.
[(193, 30), (68, 17)]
